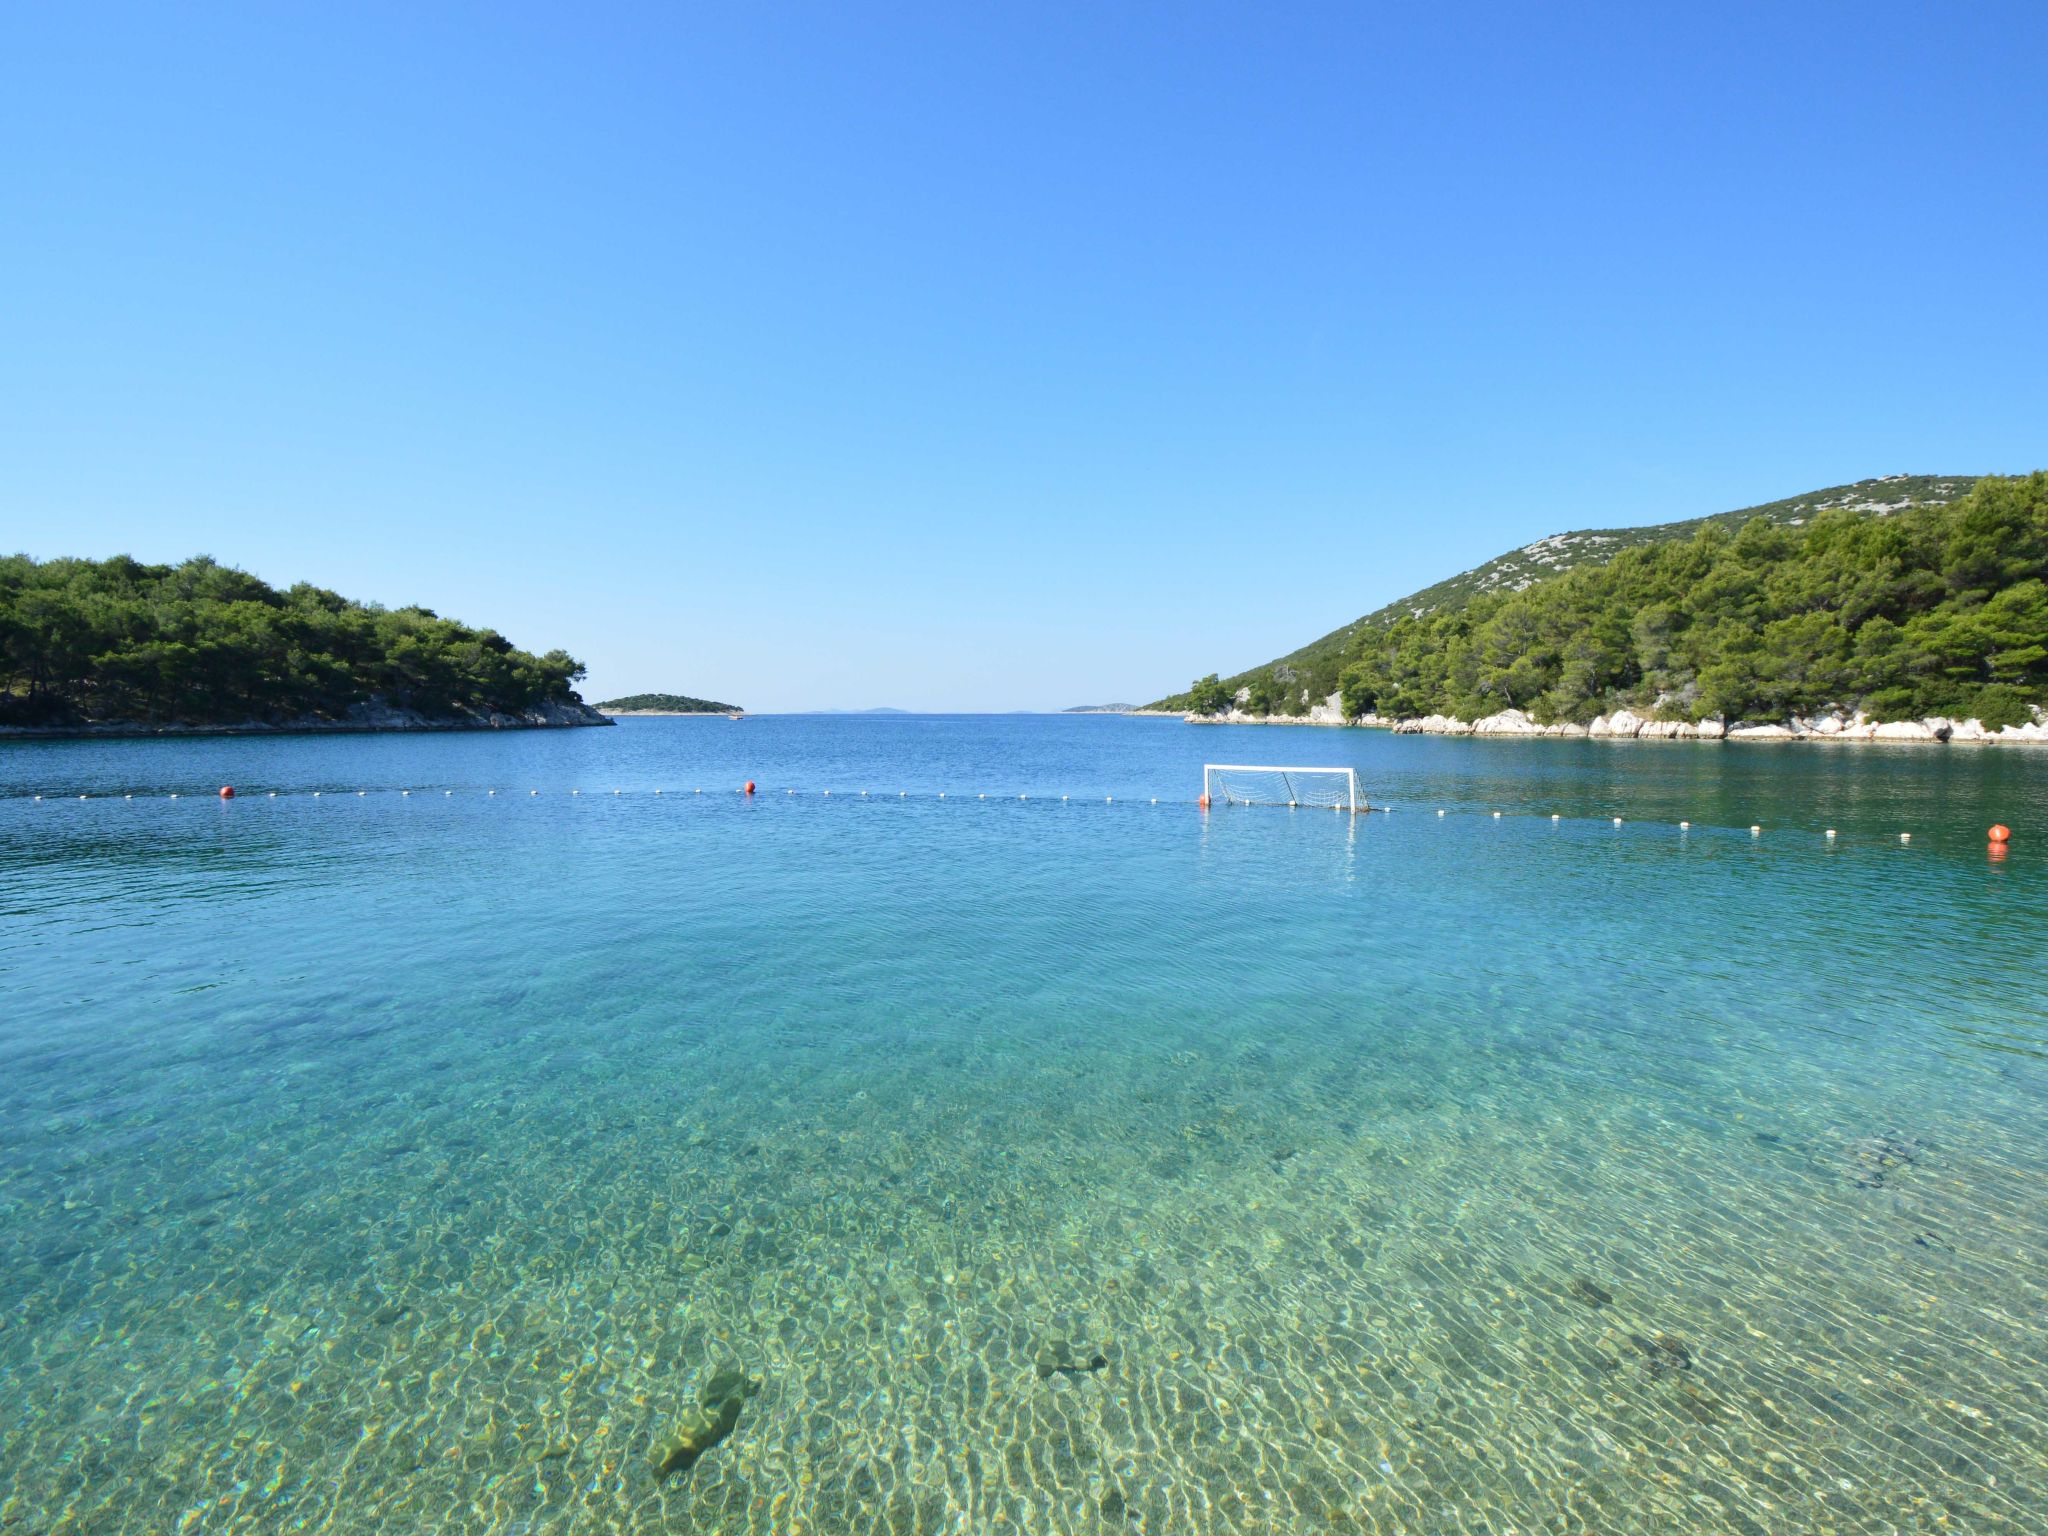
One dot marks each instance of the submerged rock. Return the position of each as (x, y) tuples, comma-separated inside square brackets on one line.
[(701, 1427), (1056, 1357), (1591, 1294), (1873, 1159), (1663, 1354)]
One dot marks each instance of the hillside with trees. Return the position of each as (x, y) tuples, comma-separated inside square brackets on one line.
[(1934, 608), (199, 644), (666, 704), (1315, 667)]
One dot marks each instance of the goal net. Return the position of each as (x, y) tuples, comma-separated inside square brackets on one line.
[(1253, 784)]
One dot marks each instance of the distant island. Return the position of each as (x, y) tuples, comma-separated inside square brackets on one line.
[(667, 704), (1864, 610), (1098, 709), (119, 647)]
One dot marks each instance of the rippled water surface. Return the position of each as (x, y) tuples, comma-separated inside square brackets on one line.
[(396, 1162)]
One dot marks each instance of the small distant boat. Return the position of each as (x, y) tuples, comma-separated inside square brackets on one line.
[(738, 714)]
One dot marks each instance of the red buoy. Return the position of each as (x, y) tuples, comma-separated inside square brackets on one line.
[(750, 786), (1203, 802), (2001, 833), (227, 791)]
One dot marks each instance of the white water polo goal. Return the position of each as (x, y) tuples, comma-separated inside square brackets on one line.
[(1257, 784)]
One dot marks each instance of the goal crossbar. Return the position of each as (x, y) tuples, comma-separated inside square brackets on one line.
[(1267, 784)]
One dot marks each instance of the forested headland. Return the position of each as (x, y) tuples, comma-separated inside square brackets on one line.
[(666, 704), (1930, 610), (85, 642)]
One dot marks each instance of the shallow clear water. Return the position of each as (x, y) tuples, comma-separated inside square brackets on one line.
[(396, 1163)]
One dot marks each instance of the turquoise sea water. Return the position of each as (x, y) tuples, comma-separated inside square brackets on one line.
[(395, 1163)]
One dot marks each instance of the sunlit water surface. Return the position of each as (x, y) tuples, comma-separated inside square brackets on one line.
[(396, 1163)]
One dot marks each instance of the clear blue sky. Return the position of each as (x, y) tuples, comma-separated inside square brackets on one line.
[(975, 357)]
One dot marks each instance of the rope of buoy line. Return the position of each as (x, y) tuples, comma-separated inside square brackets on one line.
[(1999, 837)]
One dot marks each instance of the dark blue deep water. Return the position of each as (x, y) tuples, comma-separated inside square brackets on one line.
[(398, 1162)]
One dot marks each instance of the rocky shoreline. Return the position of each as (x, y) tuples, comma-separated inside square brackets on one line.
[(1626, 725), (361, 719)]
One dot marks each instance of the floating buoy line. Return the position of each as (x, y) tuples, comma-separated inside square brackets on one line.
[(2000, 836)]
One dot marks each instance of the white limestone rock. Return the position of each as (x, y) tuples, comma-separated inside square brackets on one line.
[(1622, 723), (1329, 712), (1508, 722), (1770, 732)]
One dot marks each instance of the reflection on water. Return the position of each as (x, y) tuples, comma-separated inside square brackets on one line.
[(448, 1162)]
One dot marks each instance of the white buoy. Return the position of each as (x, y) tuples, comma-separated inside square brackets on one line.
[(533, 791), (902, 794), (1831, 834), (1496, 815), (1756, 831), (360, 793), (575, 791), (1063, 799), (1555, 818), (981, 797), (127, 797), (1905, 837), (1155, 799), (863, 794), (39, 797), (447, 793), (81, 797), (1109, 799), (406, 792), (494, 791), (1439, 812), (273, 794), (942, 794), (618, 791), (316, 795), (828, 794), (1685, 826), (1617, 821), (174, 795)]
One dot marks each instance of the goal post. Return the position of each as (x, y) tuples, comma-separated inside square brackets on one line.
[(1259, 784)]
